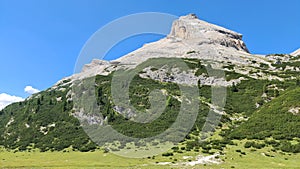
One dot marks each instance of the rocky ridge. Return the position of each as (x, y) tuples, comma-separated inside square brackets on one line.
[(296, 53), (191, 37), (188, 38)]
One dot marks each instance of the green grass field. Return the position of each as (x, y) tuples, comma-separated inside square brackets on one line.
[(66, 160), (262, 158)]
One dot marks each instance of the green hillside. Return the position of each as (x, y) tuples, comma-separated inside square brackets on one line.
[(44, 122), (278, 120), (260, 114)]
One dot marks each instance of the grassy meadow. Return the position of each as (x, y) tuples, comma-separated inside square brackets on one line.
[(262, 158)]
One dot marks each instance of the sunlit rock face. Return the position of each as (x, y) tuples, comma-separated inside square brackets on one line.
[(191, 28), (296, 53), (189, 37)]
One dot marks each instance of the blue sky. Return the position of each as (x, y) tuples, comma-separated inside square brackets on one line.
[(41, 39)]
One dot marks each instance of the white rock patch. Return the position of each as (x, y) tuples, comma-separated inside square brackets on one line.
[(295, 110)]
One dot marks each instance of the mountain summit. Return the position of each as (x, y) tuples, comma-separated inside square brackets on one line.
[(191, 28), (189, 37)]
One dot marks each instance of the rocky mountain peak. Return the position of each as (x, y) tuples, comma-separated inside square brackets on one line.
[(189, 37), (191, 28)]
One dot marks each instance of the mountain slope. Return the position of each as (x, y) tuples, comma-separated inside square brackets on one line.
[(44, 122), (278, 118), (261, 97)]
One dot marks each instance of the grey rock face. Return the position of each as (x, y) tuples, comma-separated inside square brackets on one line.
[(94, 63), (186, 78), (87, 118), (188, 38), (194, 38), (190, 27), (296, 53)]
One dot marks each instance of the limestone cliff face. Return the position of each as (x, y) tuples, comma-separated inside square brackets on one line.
[(191, 28), (192, 35), (189, 37), (296, 53)]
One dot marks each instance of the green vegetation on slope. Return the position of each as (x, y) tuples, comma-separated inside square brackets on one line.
[(44, 122), (275, 120), (258, 118)]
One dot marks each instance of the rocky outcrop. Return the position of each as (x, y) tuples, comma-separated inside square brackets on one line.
[(186, 78), (94, 63), (88, 118), (191, 28), (295, 110), (194, 38), (295, 53), (189, 37)]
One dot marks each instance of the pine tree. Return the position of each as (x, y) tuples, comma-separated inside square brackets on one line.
[(234, 88), (276, 93)]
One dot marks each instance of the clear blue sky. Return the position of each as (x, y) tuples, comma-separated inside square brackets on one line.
[(41, 39)]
